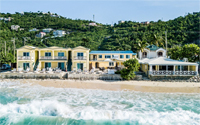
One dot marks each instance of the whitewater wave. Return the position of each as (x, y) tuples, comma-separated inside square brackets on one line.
[(25, 104)]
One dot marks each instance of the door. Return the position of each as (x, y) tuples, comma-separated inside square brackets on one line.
[(96, 65), (80, 66), (25, 66), (61, 65), (47, 64)]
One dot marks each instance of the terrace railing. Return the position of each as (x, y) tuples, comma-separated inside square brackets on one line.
[(24, 57), (80, 57), (60, 57), (172, 73), (45, 57)]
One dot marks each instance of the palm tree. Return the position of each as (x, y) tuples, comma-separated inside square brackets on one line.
[(157, 39), (140, 45)]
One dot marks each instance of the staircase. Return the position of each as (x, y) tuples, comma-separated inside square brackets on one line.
[(36, 65), (69, 65)]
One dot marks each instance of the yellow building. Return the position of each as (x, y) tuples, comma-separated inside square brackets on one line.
[(54, 57), (110, 59)]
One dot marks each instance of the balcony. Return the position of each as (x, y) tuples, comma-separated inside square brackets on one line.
[(24, 57), (46, 57), (60, 57), (80, 57)]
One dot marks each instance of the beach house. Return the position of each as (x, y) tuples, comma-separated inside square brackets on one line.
[(110, 59), (155, 63), (53, 57)]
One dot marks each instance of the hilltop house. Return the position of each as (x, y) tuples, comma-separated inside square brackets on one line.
[(154, 62), (15, 27), (34, 29), (47, 30), (92, 24), (59, 33), (41, 34)]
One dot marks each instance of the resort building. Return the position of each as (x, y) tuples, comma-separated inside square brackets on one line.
[(152, 51), (154, 62), (110, 59), (53, 57)]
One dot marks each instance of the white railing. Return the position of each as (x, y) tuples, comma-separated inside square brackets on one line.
[(60, 57), (162, 72), (173, 73), (46, 57), (24, 57), (184, 72)]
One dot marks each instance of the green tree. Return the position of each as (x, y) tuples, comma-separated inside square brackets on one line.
[(191, 51), (175, 52), (132, 65), (156, 39), (140, 45)]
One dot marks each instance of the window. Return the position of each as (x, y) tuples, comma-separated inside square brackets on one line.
[(111, 63), (160, 54), (121, 56), (128, 56), (100, 56), (107, 56), (79, 54), (144, 55), (25, 53), (60, 54), (48, 54), (47, 64)]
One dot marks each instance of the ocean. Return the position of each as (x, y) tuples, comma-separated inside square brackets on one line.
[(26, 104)]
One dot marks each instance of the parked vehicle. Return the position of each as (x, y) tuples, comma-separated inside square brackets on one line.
[(5, 66)]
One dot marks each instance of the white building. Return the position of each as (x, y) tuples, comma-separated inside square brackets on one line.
[(92, 24), (47, 30), (41, 34), (59, 33), (34, 29), (15, 27), (152, 51), (146, 22), (155, 64), (121, 21)]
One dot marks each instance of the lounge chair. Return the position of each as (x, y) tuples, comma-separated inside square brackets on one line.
[(50, 70), (14, 70), (43, 70), (27, 70)]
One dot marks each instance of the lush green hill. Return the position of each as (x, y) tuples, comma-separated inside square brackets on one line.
[(121, 36)]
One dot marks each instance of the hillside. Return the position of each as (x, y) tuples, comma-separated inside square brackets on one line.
[(123, 36)]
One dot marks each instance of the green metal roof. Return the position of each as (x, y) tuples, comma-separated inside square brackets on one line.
[(152, 47)]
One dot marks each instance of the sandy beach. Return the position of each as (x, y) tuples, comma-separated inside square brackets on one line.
[(142, 86)]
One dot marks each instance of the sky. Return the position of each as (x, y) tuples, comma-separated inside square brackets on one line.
[(106, 11)]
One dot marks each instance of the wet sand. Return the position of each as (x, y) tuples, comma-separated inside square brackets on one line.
[(142, 86)]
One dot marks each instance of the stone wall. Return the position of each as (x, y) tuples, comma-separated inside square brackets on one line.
[(171, 78), (31, 76)]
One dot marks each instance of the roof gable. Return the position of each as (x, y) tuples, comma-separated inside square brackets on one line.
[(80, 47), (152, 47)]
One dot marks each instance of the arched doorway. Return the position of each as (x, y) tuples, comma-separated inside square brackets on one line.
[(96, 65), (144, 55), (160, 54)]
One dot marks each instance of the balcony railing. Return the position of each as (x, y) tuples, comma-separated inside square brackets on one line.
[(173, 73), (80, 57), (45, 57), (60, 57), (24, 57)]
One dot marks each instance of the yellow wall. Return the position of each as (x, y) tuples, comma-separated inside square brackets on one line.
[(144, 69), (42, 52), (102, 64)]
